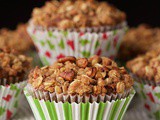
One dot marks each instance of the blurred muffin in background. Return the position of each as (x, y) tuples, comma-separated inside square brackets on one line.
[(138, 41), (80, 28), (17, 39), (13, 74), (145, 69)]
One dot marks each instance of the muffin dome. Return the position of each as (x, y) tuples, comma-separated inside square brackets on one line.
[(82, 76), (13, 66), (77, 14), (146, 66)]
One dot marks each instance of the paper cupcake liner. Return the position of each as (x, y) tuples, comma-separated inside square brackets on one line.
[(9, 99), (86, 29), (12, 80), (46, 110), (144, 81), (150, 96), (53, 45), (74, 98)]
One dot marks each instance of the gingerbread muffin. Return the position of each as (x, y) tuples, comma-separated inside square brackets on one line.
[(13, 72), (88, 81), (145, 70), (14, 40), (77, 14), (138, 41), (80, 28)]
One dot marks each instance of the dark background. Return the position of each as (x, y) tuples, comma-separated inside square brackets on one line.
[(138, 11)]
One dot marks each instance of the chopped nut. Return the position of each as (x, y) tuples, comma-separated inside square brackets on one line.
[(120, 87), (97, 90), (108, 81), (38, 82), (114, 74), (81, 71), (149, 72), (65, 24), (85, 79), (58, 90), (50, 89), (68, 75), (69, 58), (49, 83), (60, 80), (128, 81), (95, 59), (106, 61), (101, 82), (98, 75), (104, 91), (91, 72), (82, 62), (122, 70), (65, 87), (78, 87)]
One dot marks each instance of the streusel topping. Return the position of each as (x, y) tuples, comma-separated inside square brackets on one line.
[(138, 41), (77, 14), (146, 66), (14, 40), (96, 75), (13, 65)]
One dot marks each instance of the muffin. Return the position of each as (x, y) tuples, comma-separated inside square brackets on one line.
[(80, 88), (138, 41), (76, 28), (146, 71), (13, 73), (13, 40), (20, 41)]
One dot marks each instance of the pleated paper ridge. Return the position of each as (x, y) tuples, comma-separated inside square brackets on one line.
[(46, 110), (52, 45), (150, 98), (74, 98), (9, 99)]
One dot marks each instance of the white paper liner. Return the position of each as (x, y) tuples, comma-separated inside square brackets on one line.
[(13, 80), (150, 98), (9, 99), (76, 98), (53, 45), (144, 81)]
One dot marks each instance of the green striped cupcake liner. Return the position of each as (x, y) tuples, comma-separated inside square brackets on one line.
[(46, 110)]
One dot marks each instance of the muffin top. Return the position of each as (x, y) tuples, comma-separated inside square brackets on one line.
[(138, 41), (77, 14), (13, 65), (82, 76), (14, 40), (146, 66)]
